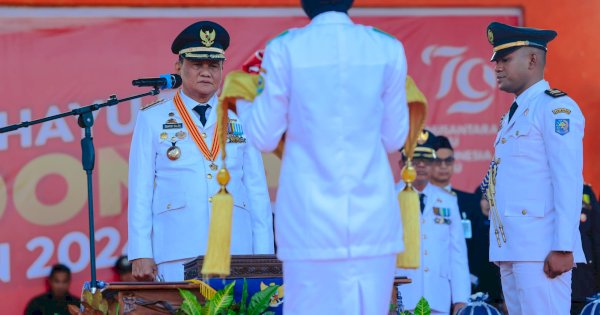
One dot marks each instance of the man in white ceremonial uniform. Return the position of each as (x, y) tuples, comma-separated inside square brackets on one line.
[(443, 276), (172, 174), (337, 91), (537, 172)]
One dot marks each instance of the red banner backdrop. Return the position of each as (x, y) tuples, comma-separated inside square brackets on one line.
[(54, 60)]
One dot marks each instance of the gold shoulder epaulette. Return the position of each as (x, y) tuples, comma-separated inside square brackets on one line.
[(144, 107), (555, 93), (450, 191)]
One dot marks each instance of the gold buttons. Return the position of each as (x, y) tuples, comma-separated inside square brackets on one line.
[(503, 140), (169, 206), (426, 269), (204, 135), (209, 176), (524, 211), (517, 133), (425, 252), (498, 161), (209, 199)]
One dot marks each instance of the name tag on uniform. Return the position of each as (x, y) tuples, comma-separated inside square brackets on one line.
[(466, 224)]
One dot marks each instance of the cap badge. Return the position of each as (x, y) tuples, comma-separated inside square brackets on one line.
[(208, 37), (490, 36), (423, 137)]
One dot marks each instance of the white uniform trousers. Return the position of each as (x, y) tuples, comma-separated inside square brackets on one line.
[(359, 286), (172, 271), (528, 291)]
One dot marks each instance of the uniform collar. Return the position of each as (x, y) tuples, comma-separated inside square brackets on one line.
[(331, 17), (531, 92), (190, 104), (524, 100)]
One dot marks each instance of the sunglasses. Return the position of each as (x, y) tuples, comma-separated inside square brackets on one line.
[(449, 161)]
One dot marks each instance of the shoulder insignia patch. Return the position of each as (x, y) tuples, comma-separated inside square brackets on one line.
[(383, 32), (555, 92), (279, 35), (144, 107), (561, 110)]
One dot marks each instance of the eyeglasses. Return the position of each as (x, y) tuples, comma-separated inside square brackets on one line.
[(419, 160), (449, 161)]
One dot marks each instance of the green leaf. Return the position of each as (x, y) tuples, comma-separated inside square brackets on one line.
[(261, 300), (222, 300), (231, 312), (190, 304), (243, 303), (422, 307)]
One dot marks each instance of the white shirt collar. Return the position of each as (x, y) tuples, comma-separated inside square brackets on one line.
[(191, 103), (331, 17), (531, 92)]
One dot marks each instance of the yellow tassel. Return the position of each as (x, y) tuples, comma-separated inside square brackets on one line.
[(217, 260), (408, 198), (207, 291), (411, 215)]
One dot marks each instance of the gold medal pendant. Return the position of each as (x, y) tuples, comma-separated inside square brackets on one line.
[(173, 153), (213, 166)]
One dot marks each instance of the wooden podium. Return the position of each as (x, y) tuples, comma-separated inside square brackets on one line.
[(146, 298), (152, 298)]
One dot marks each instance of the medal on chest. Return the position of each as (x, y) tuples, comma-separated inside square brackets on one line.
[(173, 152)]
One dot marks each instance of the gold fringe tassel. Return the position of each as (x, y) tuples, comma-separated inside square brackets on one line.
[(408, 198), (207, 291), (217, 261)]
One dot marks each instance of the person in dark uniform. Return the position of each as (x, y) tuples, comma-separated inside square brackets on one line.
[(58, 298), (586, 277), (483, 273)]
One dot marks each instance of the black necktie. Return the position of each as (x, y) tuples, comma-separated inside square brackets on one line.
[(513, 109), (201, 110), (422, 202)]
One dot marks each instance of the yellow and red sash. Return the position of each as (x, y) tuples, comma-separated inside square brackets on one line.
[(211, 154)]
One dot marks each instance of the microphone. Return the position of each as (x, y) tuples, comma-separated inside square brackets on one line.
[(165, 81)]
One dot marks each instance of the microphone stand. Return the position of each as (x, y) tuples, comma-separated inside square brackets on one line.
[(85, 120)]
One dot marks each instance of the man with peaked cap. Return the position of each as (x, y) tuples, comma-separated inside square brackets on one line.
[(443, 276), (537, 171), (338, 219), (586, 277), (483, 273), (173, 164)]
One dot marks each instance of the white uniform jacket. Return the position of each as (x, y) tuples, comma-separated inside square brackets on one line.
[(170, 201), (337, 89), (539, 177), (443, 277)]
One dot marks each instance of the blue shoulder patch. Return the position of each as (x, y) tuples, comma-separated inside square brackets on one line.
[(561, 126)]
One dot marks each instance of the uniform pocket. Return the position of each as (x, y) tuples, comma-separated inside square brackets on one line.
[(168, 201), (521, 135), (525, 208)]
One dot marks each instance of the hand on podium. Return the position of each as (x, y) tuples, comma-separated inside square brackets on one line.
[(144, 269)]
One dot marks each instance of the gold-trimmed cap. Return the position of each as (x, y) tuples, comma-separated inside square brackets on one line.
[(202, 40), (506, 39), (425, 148)]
